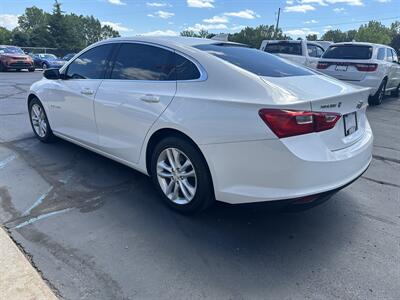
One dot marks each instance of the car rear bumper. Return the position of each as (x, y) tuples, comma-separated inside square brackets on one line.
[(370, 82), (269, 170)]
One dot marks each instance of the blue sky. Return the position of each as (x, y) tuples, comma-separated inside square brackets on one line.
[(159, 17)]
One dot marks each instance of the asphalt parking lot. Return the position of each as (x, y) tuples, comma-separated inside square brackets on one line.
[(97, 230)]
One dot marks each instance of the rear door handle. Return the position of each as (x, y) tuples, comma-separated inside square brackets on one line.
[(150, 98), (87, 91)]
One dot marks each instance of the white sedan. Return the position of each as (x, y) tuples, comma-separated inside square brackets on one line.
[(208, 120)]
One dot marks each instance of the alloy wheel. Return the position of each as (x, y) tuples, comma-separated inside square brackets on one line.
[(39, 120), (176, 176)]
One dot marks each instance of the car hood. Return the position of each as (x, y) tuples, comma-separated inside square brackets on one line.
[(55, 61), (16, 56)]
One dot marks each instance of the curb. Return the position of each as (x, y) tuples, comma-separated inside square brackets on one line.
[(19, 280)]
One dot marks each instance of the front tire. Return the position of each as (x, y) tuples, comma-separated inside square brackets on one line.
[(31, 69), (2, 67), (379, 95), (181, 175), (44, 66), (39, 122)]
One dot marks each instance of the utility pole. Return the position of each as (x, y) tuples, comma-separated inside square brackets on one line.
[(277, 22)]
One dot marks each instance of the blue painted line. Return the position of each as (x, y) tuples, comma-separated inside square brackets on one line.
[(37, 202), (41, 217), (6, 161)]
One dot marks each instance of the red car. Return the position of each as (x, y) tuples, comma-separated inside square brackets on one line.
[(12, 57)]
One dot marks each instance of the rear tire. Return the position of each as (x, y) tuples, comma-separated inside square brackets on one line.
[(44, 66), (2, 68), (39, 122), (396, 92), (379, 95), (31, 69), (182, 192)]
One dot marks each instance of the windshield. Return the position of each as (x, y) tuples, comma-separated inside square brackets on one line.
[(12, 50), (348, 52), (255, 61), (47, 56)]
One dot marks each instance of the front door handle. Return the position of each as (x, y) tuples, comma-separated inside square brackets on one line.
[(87, 91), (150, 98)]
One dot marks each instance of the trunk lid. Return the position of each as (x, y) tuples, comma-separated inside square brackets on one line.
[(325, 94), (344, 69)]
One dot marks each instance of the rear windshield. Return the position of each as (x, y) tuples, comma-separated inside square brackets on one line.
[(255, 61), (348, 52), (284, 48)]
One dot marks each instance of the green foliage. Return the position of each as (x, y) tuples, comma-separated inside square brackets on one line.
[(374, 32), (312, 37), (254, 36), (71, 32), (201, 34)]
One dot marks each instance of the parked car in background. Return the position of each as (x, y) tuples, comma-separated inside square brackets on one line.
[(208, 120), (68, 56), (12, 57), (47, 60), (364, 64), (302, 52)]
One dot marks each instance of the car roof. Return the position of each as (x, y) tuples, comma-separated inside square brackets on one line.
[(361, 44)]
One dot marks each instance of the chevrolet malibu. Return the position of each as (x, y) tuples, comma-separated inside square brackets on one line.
[(208, 120)]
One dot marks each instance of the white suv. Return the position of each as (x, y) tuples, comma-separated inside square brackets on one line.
[(302, 52), (364, 64)]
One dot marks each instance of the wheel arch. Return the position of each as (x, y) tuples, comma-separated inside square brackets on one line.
[(162, 133)]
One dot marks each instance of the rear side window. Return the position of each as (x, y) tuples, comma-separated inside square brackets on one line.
[(314, 50), (284, 48), (348, 52), (185, 69), (389, 55), (381, 54), (91, 64), (395, 57), (255, 61), (143, 62)]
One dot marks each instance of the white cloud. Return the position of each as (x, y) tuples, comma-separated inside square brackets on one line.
[(237, 27), (384, 1), (311, 22), (244, 14), (161, 33), (348, 2), (9, 21), (116, 2), (156, 4), (327, 28), (161, 14), (116, 26), (289, 2), (339, 9), (303, 8), (301, 32), (217, 19), (320, 2), (197, 27), (200, 3)]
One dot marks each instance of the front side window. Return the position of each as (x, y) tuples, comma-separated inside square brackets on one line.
[(143, 62), (91, 64), (254, 61), (284, 48), (381, 54), (348, 52)]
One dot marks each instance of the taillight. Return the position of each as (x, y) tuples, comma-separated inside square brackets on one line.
[(323, 65), (285, 123), (366, 67)]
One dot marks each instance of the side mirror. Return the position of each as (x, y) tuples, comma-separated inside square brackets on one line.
[(52, 74)]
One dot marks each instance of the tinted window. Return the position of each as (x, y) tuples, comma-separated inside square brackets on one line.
[(314, 50), (143, 62), (389, 55), (255, 61), (284, 48), (381, 54), (348, 52), (395, 57), (13, 50), (91, 64), (185, 69)]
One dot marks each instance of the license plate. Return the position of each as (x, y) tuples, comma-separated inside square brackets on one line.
[(350, 123), (341, 68)]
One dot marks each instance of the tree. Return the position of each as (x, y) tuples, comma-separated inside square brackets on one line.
[(5, 36), (188, 33), (374, 32), (254, 36), (201, 34), (20, 38), (336, 36), (108, 32), (33, 19), (312, 37)]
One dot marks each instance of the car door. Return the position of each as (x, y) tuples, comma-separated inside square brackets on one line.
[(396, 70), (71, 102), (391, 69), (138, 89)]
